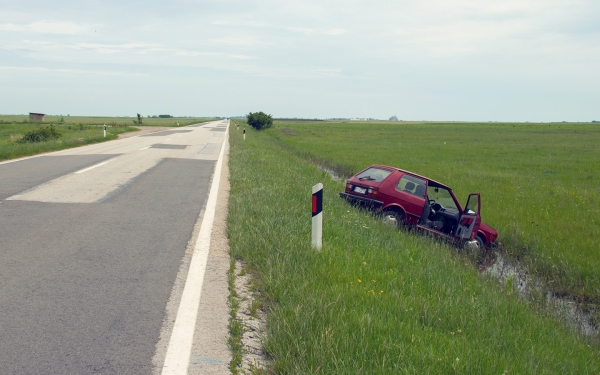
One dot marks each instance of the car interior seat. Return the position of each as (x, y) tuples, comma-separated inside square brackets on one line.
[(420, 192), (409, 187)]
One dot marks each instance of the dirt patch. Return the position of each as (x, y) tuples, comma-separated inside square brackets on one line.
[(251, 315), (144, 130)]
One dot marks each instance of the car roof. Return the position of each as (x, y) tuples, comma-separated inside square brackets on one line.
[(435, 183)]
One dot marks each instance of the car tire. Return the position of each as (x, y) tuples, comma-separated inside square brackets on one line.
[(393, 218), (480, 243), (476, 249)]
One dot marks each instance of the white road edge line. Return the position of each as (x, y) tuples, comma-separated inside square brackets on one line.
[(25, 158), (177, 359), (94, 166), (144, 148)]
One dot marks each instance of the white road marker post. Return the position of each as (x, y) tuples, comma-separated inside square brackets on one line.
[(104, 130), (244, 134), (317, 216)]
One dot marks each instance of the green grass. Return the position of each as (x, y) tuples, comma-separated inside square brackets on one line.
[(76, 130), (540, 184), (101, 120), (374, 300)]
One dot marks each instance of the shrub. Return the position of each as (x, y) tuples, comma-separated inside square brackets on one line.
[(40, 134), (260, 120)]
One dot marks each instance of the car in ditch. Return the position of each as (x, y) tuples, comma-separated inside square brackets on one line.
[(405, 198)]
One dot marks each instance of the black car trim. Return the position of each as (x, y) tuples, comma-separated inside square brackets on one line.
[(368, 201)]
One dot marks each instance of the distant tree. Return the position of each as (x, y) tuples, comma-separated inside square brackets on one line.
[(139, 119), (259, 120), (394, 118), (165, 116)]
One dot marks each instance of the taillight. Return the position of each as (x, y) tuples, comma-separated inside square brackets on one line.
[(372, 191), (348, 186)]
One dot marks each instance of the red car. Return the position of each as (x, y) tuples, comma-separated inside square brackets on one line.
[(404, 197)]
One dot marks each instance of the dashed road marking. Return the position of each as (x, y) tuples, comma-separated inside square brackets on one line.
[(94, 166)]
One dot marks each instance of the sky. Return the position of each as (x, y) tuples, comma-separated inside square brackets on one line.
[(459, 60)]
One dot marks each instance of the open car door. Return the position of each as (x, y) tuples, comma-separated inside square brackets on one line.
[(470, 219)]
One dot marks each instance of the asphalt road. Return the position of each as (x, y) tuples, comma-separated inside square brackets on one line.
[(91, 242)]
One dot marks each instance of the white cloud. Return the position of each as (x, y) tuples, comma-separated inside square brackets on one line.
[(48, 27), (70, 71), (316, 31)]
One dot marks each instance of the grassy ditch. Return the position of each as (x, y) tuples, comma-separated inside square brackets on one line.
[(538, 182), (374, 300), (75, 131)]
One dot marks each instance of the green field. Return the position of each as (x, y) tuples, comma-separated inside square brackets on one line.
[(101, 120), (539, 183), (76, 131), (376, 300)]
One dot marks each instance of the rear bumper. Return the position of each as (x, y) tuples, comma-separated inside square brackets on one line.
[(372, 203)]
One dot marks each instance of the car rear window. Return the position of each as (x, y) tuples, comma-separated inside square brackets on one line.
[(412, 185), (374, 174)]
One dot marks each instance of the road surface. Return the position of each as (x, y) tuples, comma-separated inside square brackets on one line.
[(94, 245)]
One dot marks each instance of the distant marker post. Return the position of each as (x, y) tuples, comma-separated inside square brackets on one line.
[(317, 216), (104, 130), (244, 134)]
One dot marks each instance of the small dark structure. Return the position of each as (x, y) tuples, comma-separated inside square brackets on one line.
[(36, 117)]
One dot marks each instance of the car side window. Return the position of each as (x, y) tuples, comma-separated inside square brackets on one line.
[(412, 185)]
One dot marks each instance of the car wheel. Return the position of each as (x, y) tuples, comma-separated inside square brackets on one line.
[(393, 218), (480, 243), (475, 248)]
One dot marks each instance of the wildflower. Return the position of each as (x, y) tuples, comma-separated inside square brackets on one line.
[(374, 281), (359, 280), (457, 360), (460, 331), (364, 263)]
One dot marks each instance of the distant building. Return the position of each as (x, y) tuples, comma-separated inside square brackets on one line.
[(394, 118), (36, 117)]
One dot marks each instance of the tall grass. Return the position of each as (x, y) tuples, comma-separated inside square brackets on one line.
[(539, 182), (72, 136), (374, 300)]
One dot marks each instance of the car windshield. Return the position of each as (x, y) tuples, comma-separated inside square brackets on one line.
[(441, 196), (374, 174)]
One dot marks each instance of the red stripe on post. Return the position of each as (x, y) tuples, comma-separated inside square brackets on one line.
[(314, 204)]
